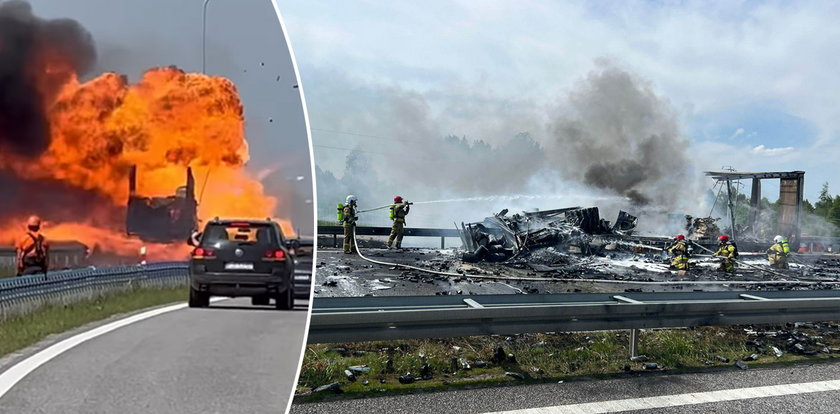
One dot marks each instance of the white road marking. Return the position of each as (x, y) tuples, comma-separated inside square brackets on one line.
[(19, 371), (664, 401)]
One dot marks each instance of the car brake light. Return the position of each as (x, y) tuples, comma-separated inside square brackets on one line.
[(239, 224), (275, 255), (202, 252)]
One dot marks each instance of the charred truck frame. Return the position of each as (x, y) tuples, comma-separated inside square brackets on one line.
[(501, 237), (162, 219), (791, 185)]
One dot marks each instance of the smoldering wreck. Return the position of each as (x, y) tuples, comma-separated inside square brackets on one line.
[(502, 236)]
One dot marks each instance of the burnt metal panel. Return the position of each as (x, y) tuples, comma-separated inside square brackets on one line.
[(738, 175)]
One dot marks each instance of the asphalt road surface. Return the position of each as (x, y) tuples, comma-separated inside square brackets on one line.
[(338, 274), (230, 358), (556, 397)]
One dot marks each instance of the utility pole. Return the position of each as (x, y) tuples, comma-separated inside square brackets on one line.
[(204, 37), (730, 203), (731, 208)]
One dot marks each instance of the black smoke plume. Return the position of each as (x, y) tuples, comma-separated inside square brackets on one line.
[(37, 56), (618, 134)]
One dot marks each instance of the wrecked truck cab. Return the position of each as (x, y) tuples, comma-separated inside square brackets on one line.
[(162, 219)]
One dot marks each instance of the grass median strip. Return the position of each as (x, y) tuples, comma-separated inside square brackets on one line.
[(374, 368), (22, 331)]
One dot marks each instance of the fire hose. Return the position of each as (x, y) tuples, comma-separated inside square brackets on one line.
[(438, 272), (567, 280), (374, 209)]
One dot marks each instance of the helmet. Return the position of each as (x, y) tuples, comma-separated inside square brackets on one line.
[(33, 221), (723, 238), (778, 239), (398, 199), (680, 237), (351, 199)]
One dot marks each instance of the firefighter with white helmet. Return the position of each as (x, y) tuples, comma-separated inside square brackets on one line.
[(348, 219), (778, 253)]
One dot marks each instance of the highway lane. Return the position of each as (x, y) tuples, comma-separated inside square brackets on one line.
[(553, 397), (229, 358)]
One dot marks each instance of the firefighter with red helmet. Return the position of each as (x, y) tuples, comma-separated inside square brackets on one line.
[(679, 253), (398, 212), (32, 250), (728, 252)]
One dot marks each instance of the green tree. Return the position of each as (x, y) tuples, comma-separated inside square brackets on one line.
[(824, 203)]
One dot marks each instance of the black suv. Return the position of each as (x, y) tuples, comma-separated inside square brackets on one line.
[(243, 258)]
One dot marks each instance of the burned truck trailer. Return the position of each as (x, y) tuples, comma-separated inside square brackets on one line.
[(789, 215), (501, 237), (162, 219)]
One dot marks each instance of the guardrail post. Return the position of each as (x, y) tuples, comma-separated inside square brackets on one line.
[(442, 242), (335, 241), (634, 342)]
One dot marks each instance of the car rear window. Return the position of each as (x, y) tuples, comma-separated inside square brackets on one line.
[(238, 233)]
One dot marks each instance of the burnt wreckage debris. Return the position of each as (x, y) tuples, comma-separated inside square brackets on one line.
[(702, 227), (501, 237)]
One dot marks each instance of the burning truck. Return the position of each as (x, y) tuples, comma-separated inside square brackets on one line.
[(162, 219), (69, 137)]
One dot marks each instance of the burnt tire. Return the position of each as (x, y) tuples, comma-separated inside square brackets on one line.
[(260, 301), (198, 299), (286, 300)]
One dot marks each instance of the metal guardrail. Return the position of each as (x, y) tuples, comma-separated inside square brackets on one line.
[(63, 255), (385, 231), (18, 295), (410, 317), (336, 231), (745, 245)]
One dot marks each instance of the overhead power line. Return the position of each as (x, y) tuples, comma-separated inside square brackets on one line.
[(369, 136), (354, 150)]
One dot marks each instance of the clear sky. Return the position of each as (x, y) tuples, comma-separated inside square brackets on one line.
[(754, 83), (245, 43)]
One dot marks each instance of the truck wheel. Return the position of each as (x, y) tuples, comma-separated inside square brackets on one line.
[(260, 301), (198, 299), (286, 300)]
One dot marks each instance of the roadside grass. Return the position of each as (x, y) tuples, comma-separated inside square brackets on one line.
[(538, 357), (21, 331)]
